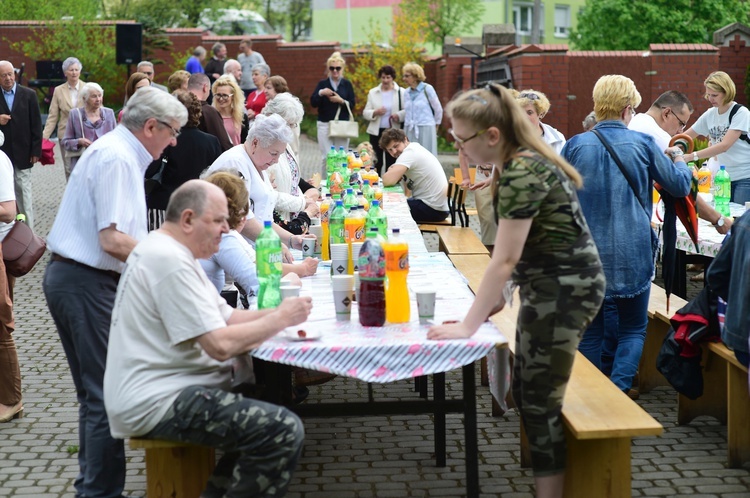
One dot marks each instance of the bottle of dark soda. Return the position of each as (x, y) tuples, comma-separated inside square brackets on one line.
[(372, 281)]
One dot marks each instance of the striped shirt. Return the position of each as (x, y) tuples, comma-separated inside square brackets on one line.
[(105, 188)]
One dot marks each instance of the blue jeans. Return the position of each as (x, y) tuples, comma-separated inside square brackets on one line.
[(740, 191), (80, 301), (614, 340)]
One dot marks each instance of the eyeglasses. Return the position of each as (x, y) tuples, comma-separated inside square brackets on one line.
[(462, 141), (222, 96), (334, 68), (682, 123), (408, 75), (175, 132), (530, 96)]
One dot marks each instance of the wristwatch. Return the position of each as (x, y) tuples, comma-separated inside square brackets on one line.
[(720, 222)]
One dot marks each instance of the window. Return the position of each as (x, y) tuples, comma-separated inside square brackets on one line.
[(562, 21), (522, 18)]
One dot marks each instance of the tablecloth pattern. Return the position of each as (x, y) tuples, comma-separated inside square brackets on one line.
[(709, 240)]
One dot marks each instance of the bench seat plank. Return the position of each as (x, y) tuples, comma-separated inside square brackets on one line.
[(458, 240)]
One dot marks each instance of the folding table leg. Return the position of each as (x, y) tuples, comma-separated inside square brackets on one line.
[(438, 388)]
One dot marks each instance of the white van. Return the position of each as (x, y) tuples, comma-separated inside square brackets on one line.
[(234, 22)]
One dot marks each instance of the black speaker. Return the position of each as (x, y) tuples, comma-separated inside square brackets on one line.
[(129, 43)]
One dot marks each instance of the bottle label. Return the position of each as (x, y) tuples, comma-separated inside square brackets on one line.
[(275, 258), (397, 260)]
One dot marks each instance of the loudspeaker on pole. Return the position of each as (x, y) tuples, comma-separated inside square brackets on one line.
[(129, 44)]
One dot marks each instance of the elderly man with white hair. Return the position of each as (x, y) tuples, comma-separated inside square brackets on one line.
[(266, 141), (65, 98), (147, 68), (231, 66), (101, 218), (21, 123)]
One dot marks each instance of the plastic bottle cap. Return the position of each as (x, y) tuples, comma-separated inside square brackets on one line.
[(396, 230), (267, 224), (375, 202), (339, 202)]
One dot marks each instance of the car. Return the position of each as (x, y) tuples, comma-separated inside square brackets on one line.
[(234, 22)]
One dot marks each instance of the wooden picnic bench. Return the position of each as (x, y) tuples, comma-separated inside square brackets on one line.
[(600, 420), (175, 469), (460, 240), (725, 396)]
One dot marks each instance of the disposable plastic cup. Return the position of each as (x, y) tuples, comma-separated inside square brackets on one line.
[(342, 282), (308, 246), (339, 266), (426, 306), (356, 246), (316, 230), (356, 286), (340, 251), (289, 291)]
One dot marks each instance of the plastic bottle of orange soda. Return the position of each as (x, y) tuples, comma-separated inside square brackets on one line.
[(354, 227), (325, 211), (397, 308)]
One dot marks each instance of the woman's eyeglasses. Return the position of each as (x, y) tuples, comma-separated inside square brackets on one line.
[(462, 141), (334, 68), (530, 96), (223, 96)]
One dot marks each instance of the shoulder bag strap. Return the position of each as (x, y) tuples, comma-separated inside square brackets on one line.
[(622, 168)]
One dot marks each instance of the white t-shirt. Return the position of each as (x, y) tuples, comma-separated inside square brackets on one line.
[(164, 302), (385, 119), (7, 192), (714, 126), (647, 124), (425, 176), (553, 137), (262, 194)]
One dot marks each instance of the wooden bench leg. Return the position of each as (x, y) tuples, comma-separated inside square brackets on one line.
[(714, 399), (648, 375), (738, 429), (598, 467), (182, 471)]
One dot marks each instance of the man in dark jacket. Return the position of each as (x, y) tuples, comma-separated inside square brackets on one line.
[(211, 121), (21, 123)]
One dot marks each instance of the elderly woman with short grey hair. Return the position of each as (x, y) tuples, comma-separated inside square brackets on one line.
[(65, 98), (87, 124), (291, 200), (256, 100), (266, 141)]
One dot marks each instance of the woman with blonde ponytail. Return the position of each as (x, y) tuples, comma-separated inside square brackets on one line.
[(544, 245)]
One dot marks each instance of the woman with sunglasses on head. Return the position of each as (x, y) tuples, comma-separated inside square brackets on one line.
[(330, 96), (536, 105), (617, 204), (229, 101), (726, 124), (544, 245), (424, 113)]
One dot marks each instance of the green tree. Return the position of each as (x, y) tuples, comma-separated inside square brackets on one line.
[(444, 17), (30, 10), (634, 24), (406, 46), (92, 44)]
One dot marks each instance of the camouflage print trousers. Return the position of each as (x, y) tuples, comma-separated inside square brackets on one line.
[(261, 442), (554, 313)]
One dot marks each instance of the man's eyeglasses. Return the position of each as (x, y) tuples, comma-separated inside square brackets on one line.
[(175, 132), (682, 123), (334, 68), (223, 96), (462, 141)]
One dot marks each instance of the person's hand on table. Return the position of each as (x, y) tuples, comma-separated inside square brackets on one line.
[(724, 229), (312, 194), (455, 330), (308, 267), (295, 310), (312, 210)]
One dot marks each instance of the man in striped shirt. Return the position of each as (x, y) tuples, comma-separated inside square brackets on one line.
[(101, 218)]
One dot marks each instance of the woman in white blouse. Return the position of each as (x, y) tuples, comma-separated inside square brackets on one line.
[(423, 110), (384, 109), (536, 105)]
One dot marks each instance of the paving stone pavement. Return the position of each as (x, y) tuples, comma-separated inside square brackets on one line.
[(343, 457)]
